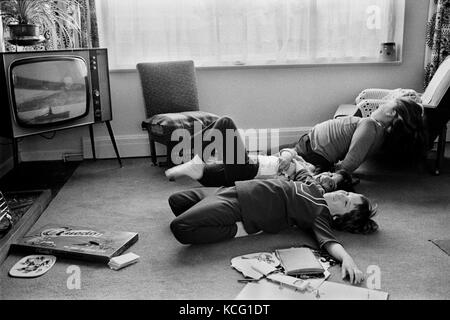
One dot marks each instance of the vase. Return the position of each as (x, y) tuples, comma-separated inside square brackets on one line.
[(18, 31), (24, 34), (388, 51)]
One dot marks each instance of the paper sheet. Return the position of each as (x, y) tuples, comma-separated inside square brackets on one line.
[(248, 264), (267, 290)]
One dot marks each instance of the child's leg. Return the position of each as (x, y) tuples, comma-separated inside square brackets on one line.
[(236, 150), (212, 219), (182, 201), (214, 175), (237, 165)]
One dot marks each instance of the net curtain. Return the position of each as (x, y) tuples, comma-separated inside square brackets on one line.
[(438, 37)]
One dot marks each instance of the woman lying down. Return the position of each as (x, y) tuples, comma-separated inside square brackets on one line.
[(207, 215), (285, 165)]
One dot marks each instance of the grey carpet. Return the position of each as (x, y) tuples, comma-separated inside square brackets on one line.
[(413, 208), (444, 245)]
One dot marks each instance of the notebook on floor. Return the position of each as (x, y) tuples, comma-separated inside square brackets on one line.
[(299, 261)]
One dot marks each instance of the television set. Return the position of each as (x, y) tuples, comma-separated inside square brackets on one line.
[(45, 91)]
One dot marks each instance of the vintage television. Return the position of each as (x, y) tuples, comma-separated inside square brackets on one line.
[(42, 91)]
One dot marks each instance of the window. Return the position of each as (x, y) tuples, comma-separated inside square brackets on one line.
[(248, 32)]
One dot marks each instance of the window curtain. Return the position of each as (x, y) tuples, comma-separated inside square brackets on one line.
[(85, 13), (438, 37), (221, 32)]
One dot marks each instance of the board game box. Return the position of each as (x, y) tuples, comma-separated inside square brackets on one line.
[(76, 242)]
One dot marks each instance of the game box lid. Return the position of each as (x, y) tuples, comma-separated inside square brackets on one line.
[(76, 242)]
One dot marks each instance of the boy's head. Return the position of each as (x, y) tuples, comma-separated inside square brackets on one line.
[(331, 181), (351, 212)]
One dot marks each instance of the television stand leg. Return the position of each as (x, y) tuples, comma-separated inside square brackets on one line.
[(91, 134), (15, 146), (113, 140)]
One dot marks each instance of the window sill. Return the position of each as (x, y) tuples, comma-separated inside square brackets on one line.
[(368, 62), (299, 65)]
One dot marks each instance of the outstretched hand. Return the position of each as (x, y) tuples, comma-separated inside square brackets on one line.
[(350, 269)]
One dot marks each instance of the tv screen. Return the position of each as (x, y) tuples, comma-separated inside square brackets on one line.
[(49, 90)]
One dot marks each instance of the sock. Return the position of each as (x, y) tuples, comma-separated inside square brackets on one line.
[(193, 169), (240, 230)]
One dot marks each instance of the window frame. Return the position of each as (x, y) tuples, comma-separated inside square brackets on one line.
[(304, 63)]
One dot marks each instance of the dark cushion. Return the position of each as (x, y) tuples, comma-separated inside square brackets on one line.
[(164, 124)]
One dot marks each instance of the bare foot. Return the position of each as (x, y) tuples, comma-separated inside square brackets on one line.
[(193, 169)]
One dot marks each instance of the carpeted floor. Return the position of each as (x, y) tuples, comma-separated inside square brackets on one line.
[(414, 207)]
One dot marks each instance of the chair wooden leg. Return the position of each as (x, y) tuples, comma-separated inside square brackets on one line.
[(440, 150), (153, 152), (169, 146)]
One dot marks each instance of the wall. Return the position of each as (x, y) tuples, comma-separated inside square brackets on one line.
[(254, 97)]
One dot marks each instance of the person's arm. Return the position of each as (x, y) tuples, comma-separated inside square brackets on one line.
[(362, 140), (307, 178), (327, 240), (285, 157), (348, 265)]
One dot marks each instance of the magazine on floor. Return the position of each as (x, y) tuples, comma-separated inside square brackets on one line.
[(76, 242)]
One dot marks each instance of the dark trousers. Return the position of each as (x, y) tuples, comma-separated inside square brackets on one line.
[(236, 166), (303, 149), (205, 215)]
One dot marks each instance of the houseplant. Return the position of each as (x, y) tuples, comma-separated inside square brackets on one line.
[(28, 19)]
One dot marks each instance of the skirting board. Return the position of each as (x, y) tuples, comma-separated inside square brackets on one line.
[(138, 146), (45, 155)]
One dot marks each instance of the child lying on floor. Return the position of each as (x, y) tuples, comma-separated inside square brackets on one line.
[(285, 165), (206, 215)]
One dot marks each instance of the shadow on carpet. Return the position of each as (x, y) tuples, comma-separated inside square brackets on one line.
[(38, 175)]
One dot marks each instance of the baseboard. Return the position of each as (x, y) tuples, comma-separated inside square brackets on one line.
[(6, 166), (138, 146), (129, 146), (45, 155)]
